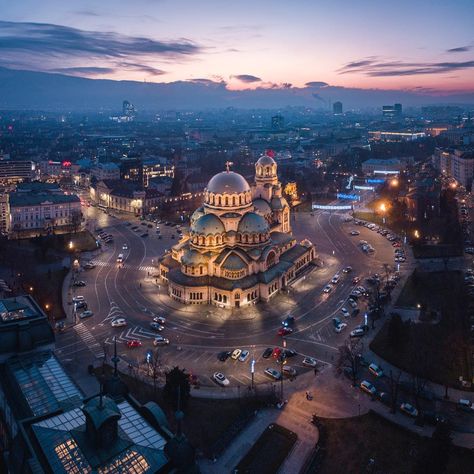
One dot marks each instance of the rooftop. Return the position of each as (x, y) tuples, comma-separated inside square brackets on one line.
[(27, 199)]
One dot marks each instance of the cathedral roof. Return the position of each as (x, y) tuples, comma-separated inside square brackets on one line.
[(208, 224), (262, 207), (228, 182), (265, 160), (234, 262), (252, 223)]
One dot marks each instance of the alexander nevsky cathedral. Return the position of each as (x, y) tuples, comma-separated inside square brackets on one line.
[(240, 248)]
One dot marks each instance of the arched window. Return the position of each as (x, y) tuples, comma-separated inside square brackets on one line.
[(246, 239), (218, 239), (211, 240), (200, 269), (219, 201), (226, 201), (240, 199)]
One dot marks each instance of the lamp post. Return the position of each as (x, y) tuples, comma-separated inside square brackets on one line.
[(383, 210)]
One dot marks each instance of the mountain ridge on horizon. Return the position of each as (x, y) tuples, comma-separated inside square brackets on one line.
[(25, 89)]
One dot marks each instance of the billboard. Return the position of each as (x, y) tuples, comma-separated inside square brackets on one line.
[(351, 197)]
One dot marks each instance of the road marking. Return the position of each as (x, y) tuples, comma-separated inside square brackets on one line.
[(89, 340)]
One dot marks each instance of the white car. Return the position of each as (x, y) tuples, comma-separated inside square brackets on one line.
[(160, 341), (78, 299), (335, 279), (345, 312), (220, 379), (124, 247), (118, 323), (409, 410), (355, 232), (310, 362), (327, 289), (340, 327), (86, 314)]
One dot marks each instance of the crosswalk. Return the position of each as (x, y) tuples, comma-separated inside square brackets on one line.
[(89, 340), (142, 268)]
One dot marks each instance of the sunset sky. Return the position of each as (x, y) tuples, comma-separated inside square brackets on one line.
[(420, 45)]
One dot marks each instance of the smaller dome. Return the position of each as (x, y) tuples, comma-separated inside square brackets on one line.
[(208, 224), (199, 212), (234, 262), (252, 223), (193, 257), (262, 207), (265, 160), (279, 203), (228, 182)]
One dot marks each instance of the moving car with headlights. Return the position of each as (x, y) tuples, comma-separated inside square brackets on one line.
[(118, 323), (160, 341), (134, 343)]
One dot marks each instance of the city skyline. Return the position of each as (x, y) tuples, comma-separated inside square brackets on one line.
[(416, 48)]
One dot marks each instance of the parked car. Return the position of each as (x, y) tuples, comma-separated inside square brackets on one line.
[(244, 355), (79, 283), (345, 312), (340, 327), (310, 362), (465, 405), (374, 369), (86, 314), (273, 373), (368, 387), (347, 269), (276, 353), (409, 410), (236, 353), (352, 303), (159, 319), (267, 352), (223, 356), (357, 332), (220, 379), (289, 371)]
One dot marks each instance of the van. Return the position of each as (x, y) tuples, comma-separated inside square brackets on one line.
[(120, 258)]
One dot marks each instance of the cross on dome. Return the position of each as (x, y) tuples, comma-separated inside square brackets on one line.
[(228, 164)]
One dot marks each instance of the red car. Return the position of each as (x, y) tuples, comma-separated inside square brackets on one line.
[(355, 280), (276, 352), (396, 244), (284, 331), (134, 343)]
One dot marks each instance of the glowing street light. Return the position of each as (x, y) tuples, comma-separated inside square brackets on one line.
[(394, 183), (416, 234)]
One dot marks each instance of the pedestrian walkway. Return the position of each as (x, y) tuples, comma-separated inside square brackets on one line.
[(89, 340)]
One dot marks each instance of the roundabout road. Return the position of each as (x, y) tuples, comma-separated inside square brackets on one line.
[(198, 332)]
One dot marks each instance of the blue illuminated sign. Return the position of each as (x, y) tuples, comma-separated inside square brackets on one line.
[(352, 197), (376, 181)]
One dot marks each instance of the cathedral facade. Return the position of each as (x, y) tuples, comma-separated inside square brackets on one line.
[(240, 248)]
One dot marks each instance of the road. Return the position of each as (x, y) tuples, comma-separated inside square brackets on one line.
[(198, 332)]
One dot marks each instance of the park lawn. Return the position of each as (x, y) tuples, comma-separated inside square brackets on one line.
[(350, 443), (435, 351), (269, 451)]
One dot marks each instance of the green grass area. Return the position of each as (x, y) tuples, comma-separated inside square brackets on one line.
[(368, 216), (350, 443), (437, 351), (269, 452)]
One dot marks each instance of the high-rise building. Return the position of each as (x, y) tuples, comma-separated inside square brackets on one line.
[(278, 122), (337, 108), (392, 111), (128, 109)]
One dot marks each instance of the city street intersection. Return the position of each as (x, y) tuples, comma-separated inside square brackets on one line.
[(197, 333)]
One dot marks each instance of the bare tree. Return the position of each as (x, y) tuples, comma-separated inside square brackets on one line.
[(155, 369), (394, 384), (348, 357)]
